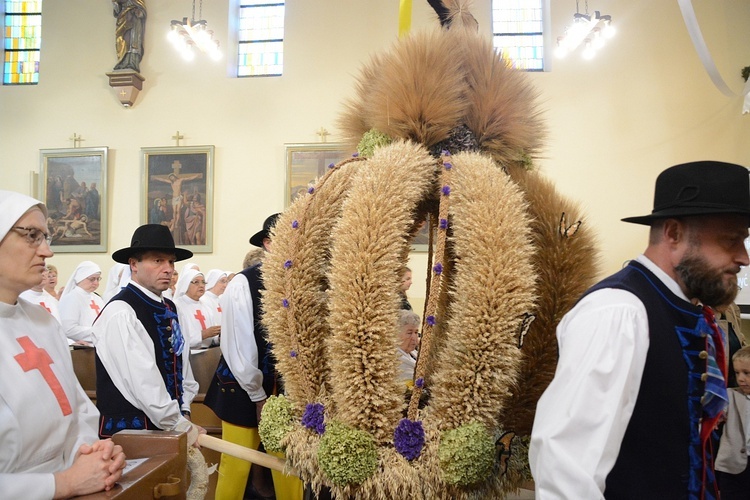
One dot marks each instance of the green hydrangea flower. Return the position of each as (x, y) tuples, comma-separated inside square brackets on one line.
[(467, 454), (370, 141), (347, 455), (276, 422)]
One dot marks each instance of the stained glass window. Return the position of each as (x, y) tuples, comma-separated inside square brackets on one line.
[(22, 40), (517, 29), (261, 38)]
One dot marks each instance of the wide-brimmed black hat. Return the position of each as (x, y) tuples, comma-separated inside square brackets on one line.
[(699, 188), (257, 238), (151, 237)]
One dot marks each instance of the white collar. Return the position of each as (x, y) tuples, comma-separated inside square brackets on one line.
[(663, 277), (148, 293)]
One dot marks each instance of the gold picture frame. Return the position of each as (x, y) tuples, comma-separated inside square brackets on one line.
[(307, 162), (178, 193), (73, 185)]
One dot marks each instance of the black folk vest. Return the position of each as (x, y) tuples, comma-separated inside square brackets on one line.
[(160, 321), (225, 396), (660, 454)]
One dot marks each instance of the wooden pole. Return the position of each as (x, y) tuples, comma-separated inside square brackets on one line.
[(243, 453)]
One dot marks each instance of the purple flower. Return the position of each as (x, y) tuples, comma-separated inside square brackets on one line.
[(293, 354), (295, 224), (419, 382), (355, 155), (443, 224), (446, 190), (310, 190), (445, 152), (285, 302), (438, 268), (448, 165), (287, 264), (313, 417), (431, 320), (408, 438), (331, 165)]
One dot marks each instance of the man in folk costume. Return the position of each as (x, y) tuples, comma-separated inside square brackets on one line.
[(245, 376), (143, 374), (640, 384), (48, 442)]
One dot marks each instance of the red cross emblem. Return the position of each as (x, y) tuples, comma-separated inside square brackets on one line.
[(94, 306), (199, 316), (45, 306), (34, 358)]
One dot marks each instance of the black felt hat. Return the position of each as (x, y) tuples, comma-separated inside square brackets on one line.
[(151, 237), (699, 188), (257, 238)]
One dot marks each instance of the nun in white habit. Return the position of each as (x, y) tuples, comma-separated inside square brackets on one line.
[(216, 283), (48, 430), (117, 279), (79, 305), (199, 324)]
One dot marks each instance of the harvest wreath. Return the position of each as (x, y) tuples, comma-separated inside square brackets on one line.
[(447, 131)]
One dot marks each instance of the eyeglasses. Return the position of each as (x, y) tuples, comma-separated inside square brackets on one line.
[(94, 278), (33, 235), (198, 282)]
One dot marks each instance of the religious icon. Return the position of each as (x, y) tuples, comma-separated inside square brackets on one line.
[(306, 162), (179, 193), (73, 186)]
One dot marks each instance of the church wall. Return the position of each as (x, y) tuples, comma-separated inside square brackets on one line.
[(646, 103)]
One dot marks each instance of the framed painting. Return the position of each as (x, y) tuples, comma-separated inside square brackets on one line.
[(73, 185), (307, 162), (178, 193)]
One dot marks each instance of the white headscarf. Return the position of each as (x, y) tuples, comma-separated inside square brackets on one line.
[(188, 265), (183, 282), (118, 278), (12, 207), (113, 278), (83, 271), (214, 275)]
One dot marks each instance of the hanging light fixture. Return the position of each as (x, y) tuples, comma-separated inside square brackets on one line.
[(186, 35), (591, 31)]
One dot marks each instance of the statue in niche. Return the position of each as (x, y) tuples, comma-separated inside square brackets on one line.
[(131, 20)]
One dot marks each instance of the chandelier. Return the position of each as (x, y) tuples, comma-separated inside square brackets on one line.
[(186, 35), (590, 31)]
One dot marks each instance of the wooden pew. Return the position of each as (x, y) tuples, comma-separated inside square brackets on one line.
[(163, 473)]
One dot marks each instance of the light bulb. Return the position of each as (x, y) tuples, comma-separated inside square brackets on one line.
[(588, 51)]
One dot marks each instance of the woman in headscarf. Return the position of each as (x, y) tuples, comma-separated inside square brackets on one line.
[(79, 305), (199, 325), (118, 277), (48, 433), (216, 283)]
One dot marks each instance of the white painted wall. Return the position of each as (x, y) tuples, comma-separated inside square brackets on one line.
[(614, 123)]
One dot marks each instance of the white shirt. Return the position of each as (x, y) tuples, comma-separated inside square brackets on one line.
[(238, 339), (78, 310), (127, 353), (44, 299), (406, 366), (37, 438), (194, 318), (582, 416)]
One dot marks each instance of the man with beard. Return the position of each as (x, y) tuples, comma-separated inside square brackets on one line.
[(640, 383)]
